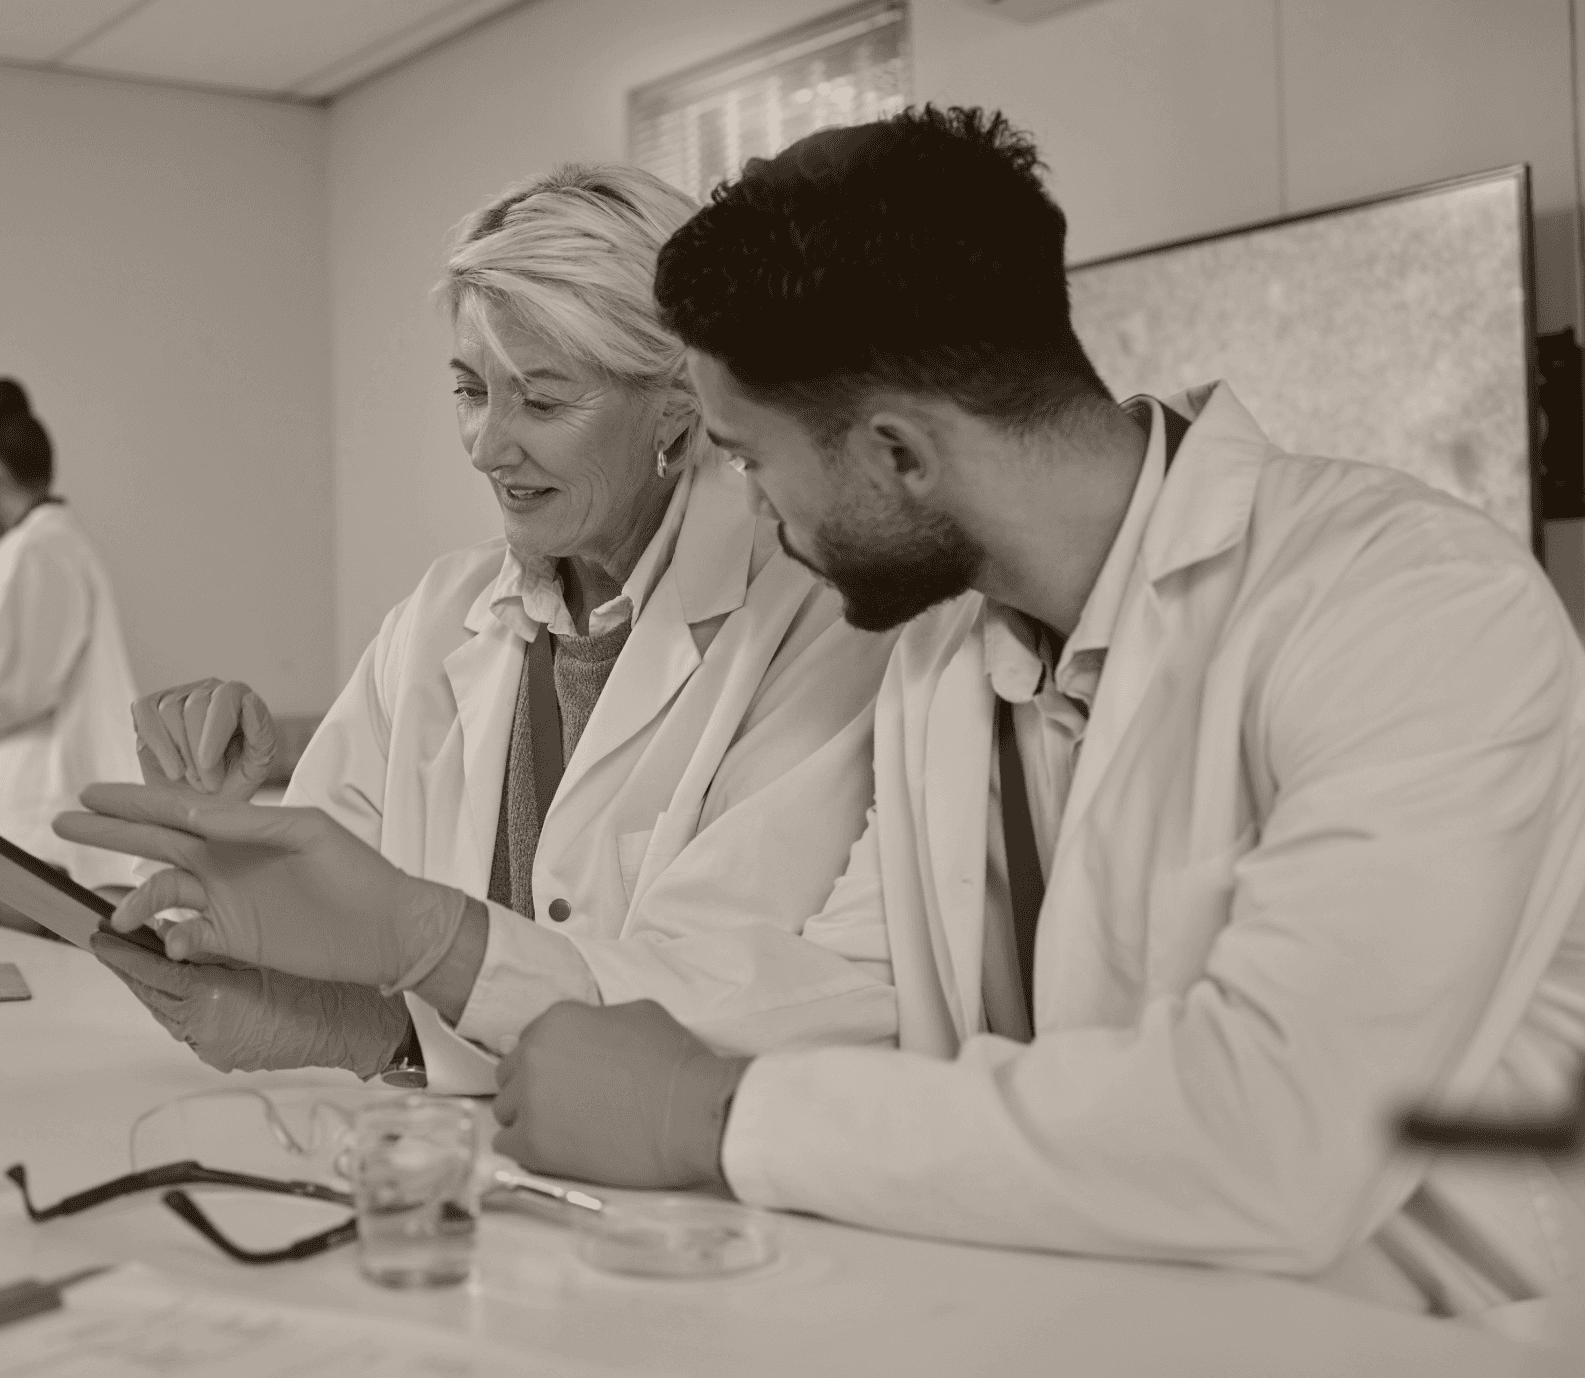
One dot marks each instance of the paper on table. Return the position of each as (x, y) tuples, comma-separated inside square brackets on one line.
[(132, 1323)]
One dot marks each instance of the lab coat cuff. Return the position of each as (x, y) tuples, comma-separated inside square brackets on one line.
[(527, 968), (748, 1143)]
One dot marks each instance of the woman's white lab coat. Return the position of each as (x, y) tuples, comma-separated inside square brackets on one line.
[(1323, 859), (65, 690), (703, 818)]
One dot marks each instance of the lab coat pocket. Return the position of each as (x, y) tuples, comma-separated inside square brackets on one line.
[(1188, 907), (630, 851)]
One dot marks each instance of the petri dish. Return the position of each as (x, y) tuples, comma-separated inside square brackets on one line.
[(677, 1237)]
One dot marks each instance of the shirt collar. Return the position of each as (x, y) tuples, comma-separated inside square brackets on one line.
[(1015, 660), (528, 595)]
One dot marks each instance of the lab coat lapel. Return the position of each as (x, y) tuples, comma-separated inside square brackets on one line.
[(957, 772), (484, 673), (1202, 511), (708, 576)]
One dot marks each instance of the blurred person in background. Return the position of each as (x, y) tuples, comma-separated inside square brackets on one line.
[(65, 685)]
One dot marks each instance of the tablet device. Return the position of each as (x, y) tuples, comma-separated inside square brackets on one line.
[(36, 890)]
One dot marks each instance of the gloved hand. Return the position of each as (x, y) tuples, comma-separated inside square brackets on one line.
[(287, 889), (213, 737), (241, 1019), (620, 1094)]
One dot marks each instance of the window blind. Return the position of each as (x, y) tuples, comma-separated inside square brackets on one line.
[(699, 126)]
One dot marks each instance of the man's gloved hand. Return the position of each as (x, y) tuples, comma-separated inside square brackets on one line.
[(619, 1094), (287, 889), (211, 737), (241, 1019)]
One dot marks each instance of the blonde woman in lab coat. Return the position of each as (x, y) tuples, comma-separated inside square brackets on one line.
[(65, 686), (714, 708)]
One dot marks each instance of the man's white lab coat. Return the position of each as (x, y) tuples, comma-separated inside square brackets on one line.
[(1323, 859), (709, 807), (65, 690)]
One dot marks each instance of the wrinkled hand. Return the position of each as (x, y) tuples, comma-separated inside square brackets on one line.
[(241, 1019), (211, 737), (287, 889), (620, 1094)]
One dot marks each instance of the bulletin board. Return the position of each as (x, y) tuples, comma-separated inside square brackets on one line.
[(1399, 330)]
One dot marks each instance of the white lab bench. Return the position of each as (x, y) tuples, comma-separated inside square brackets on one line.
[(83, 1059)]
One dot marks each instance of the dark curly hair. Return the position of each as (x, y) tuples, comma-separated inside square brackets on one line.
[(25, 448), (921, 253)]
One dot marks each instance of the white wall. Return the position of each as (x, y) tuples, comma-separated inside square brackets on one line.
[(163, 296), (1159, 118)]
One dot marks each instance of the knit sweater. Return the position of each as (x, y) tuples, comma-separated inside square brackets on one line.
[(581, 666)]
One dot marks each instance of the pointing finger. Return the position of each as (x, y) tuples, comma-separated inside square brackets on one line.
[(136, 839), (216, 819)]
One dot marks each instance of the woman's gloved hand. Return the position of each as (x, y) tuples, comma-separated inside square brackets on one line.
[(618, 1094), (287, 889), (241, 1019), (213, 737)]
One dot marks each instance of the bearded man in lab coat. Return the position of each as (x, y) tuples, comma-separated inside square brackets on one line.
[(1227, 800), (1302, 744)]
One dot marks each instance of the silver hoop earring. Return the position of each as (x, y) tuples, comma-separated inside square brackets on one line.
[(660, 462)]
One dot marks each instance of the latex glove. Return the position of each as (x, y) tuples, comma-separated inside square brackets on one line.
[(213, 737), (287, 889), (241, 1019), (619, 1094)]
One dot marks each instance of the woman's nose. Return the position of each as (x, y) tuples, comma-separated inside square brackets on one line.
[(491, 446), (759, 504)]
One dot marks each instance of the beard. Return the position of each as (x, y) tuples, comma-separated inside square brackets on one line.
[(894, 569)]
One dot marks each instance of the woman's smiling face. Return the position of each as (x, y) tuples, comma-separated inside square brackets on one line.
[(570, 454)]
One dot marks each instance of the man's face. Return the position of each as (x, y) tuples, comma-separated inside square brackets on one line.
[(846, 516)]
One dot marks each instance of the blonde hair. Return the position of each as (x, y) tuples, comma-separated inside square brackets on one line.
[(572, 256)]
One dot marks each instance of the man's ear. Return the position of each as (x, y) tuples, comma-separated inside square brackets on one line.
[(899, 446)]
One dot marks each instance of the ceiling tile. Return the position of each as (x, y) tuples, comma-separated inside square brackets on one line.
[(248, 45), (39, 30), (339, 75)]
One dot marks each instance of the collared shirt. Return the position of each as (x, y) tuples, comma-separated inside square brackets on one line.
[(1052, 697), (528, 596)]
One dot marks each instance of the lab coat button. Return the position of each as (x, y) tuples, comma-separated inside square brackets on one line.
[(560, 911)]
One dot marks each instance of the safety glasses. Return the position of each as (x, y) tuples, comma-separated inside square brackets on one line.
[(194, 1174), (292, 1142)]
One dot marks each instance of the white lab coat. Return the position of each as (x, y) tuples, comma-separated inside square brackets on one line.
[(709, 807), (65, 690), (1323, 859)]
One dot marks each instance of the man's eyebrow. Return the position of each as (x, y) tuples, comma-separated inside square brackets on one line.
[(461, 367), (725, 442)]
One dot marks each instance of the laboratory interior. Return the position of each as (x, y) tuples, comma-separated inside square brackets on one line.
[(792, 687)]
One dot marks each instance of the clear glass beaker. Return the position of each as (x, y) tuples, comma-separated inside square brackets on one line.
[(413, 1182)]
